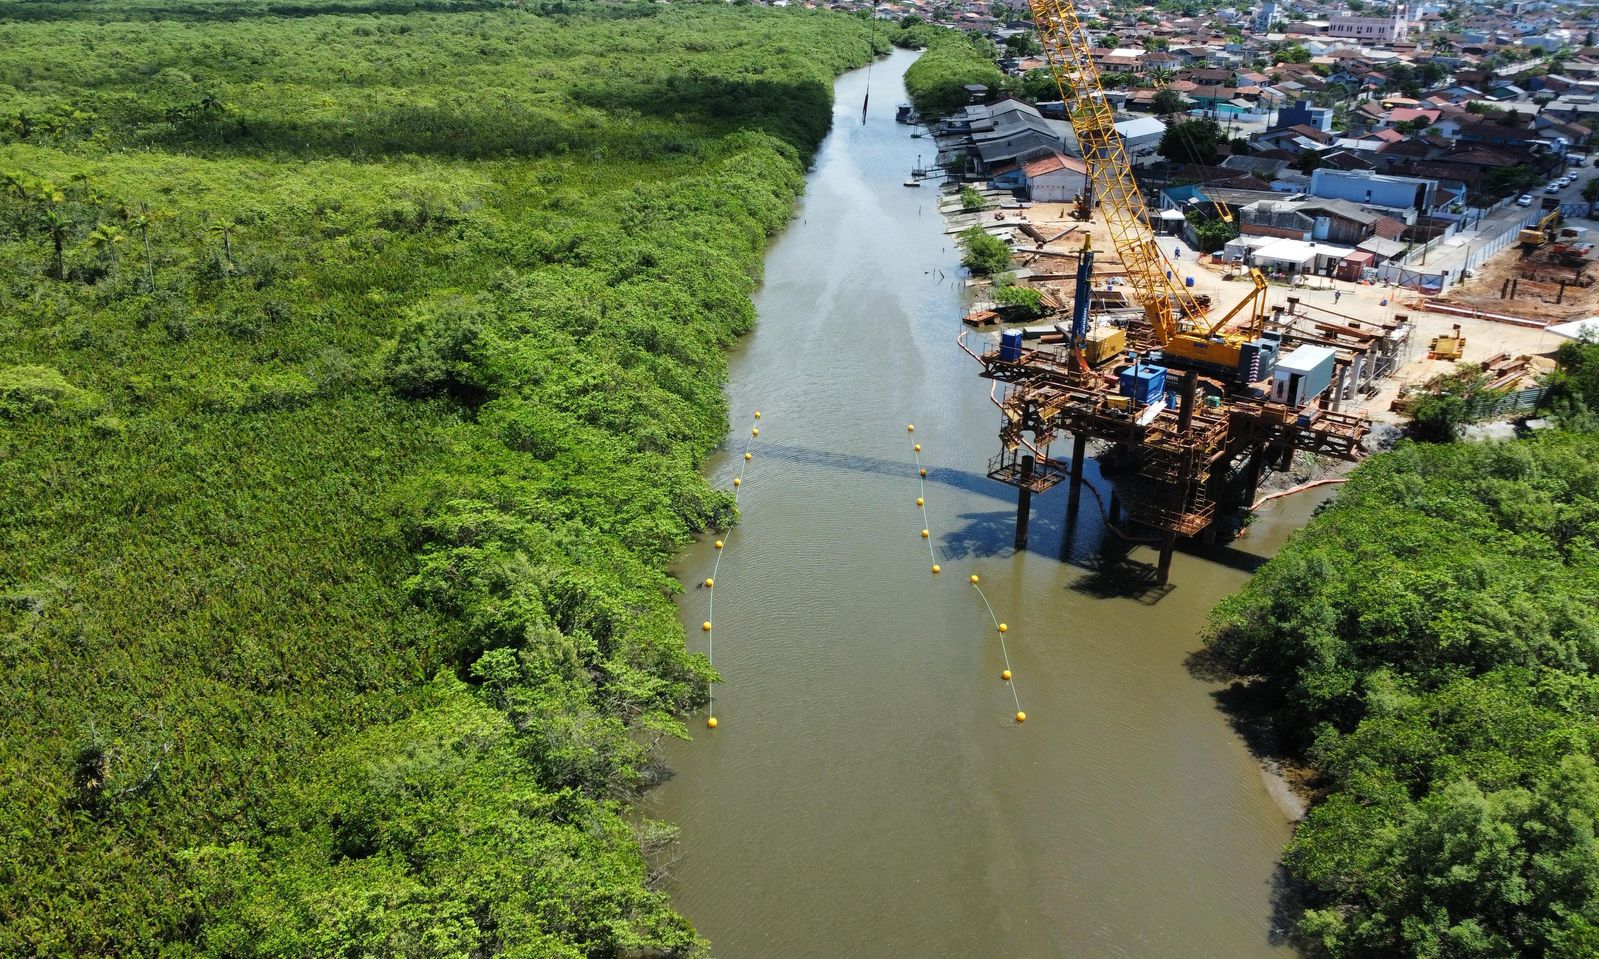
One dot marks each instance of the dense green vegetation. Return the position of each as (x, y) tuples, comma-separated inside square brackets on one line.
[(937, 81), (356, 361), (1433, 641)]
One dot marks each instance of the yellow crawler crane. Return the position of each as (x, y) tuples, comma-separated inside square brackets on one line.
[(1175, 317)]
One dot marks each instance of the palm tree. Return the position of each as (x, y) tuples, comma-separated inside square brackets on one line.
[(53, 215), (105, 239), (55, 220), (224, 229), (140, 220)]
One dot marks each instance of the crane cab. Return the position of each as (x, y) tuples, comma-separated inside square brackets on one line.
[(1234, 359)]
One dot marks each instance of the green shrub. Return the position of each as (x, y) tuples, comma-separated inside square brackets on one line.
[(1025, 300), (984, 254), (971, 200), (30, 390), (440, 352)]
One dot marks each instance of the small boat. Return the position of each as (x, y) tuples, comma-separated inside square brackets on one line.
[(913, 182)]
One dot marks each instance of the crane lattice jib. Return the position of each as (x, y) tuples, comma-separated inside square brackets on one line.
[(1067, 49)]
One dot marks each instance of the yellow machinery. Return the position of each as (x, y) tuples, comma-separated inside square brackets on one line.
[(1176, 319), (1537, 235), (1215, 349), (1450, 346)]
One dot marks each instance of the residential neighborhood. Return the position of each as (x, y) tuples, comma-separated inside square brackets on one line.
[(1403, 133)]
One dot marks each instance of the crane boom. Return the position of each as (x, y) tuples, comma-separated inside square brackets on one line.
[(1151, 274)]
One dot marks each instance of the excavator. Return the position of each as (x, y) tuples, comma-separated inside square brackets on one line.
[(1532, 237), (1232, 348)]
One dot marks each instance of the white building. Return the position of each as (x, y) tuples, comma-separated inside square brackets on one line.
[(1055, 179), (1266, 17), (1140, 133), (1371, 29)]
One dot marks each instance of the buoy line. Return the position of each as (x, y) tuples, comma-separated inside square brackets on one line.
[(999, 628), (709, 626)]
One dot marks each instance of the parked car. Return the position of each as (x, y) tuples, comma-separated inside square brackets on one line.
[(1552, 188), (1566, 180), (1524, 200)]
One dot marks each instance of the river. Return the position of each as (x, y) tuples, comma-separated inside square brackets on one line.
[(868, 793)]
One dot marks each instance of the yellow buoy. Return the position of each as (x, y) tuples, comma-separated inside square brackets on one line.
[(924, 534), (746, 456), (910, 427), (737, 481), (1003, 627), (755, 431), (918, 501), (709, 582), (757, 414), (974, 579), (1005, 675), (917, 447), (1021, 717), (706, 626), (711, 722), (924, 471), (718, 544), (936, 568)]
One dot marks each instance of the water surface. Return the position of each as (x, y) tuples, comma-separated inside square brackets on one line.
[(868, 793)]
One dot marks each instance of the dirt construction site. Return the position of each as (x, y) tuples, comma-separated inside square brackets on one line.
[(1047, 238)]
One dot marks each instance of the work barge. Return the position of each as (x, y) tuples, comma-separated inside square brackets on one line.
[(1179, 458)]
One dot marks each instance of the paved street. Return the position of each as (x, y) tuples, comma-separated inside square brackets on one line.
[(1451, 255)]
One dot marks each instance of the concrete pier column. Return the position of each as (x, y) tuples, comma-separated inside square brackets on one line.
[(1024, 502), (1168, 543), (1257, 465), (1079, 447)]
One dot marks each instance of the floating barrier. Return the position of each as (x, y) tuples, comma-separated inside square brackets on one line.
[(709, 626), (1000, 629)]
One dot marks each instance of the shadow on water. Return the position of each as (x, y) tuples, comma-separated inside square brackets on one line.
[(1287, 905), (1114, 574), (1252, 709), (882, 466)]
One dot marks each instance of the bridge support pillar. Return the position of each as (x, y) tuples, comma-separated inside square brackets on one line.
[(1024, 502), (1079, 446)]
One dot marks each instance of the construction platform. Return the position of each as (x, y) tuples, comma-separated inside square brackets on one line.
[(1181, 454)]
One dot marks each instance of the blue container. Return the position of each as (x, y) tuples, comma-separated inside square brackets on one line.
[(1143, 384), (1010, 346), (1189, 281)]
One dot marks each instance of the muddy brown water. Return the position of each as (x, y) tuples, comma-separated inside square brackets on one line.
[(867, 792)]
